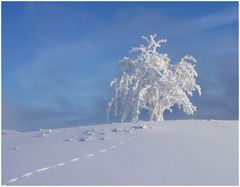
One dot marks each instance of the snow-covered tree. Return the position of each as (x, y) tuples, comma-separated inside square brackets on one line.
[(150, 82)]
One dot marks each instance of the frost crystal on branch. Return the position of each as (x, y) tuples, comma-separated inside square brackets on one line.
[(150, 82)]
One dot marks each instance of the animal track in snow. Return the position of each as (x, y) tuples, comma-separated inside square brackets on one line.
[(41, 134), (90, 155), (27, 174), (137, 127), (42, 169), (13, 180), (69, 139), (16, 148), (105, 138), (87, 138), (74, 160), (61, 164), (121, 142), (113, 147), (117, 130), (104, 133), (102, 150)]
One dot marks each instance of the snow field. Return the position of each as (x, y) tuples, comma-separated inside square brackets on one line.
[(188, 152)]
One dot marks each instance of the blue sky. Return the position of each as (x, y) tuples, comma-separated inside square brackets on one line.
[(58, 58)]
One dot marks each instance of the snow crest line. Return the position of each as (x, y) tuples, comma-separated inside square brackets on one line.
[(64, 163)]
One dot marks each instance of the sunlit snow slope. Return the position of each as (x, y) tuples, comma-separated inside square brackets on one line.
[(191, 152)]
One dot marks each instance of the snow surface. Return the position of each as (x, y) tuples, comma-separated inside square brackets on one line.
[(187, 152)]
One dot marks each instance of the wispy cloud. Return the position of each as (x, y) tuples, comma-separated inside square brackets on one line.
[(206, 22)]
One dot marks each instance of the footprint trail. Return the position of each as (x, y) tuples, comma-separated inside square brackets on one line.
[(29, 174)]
